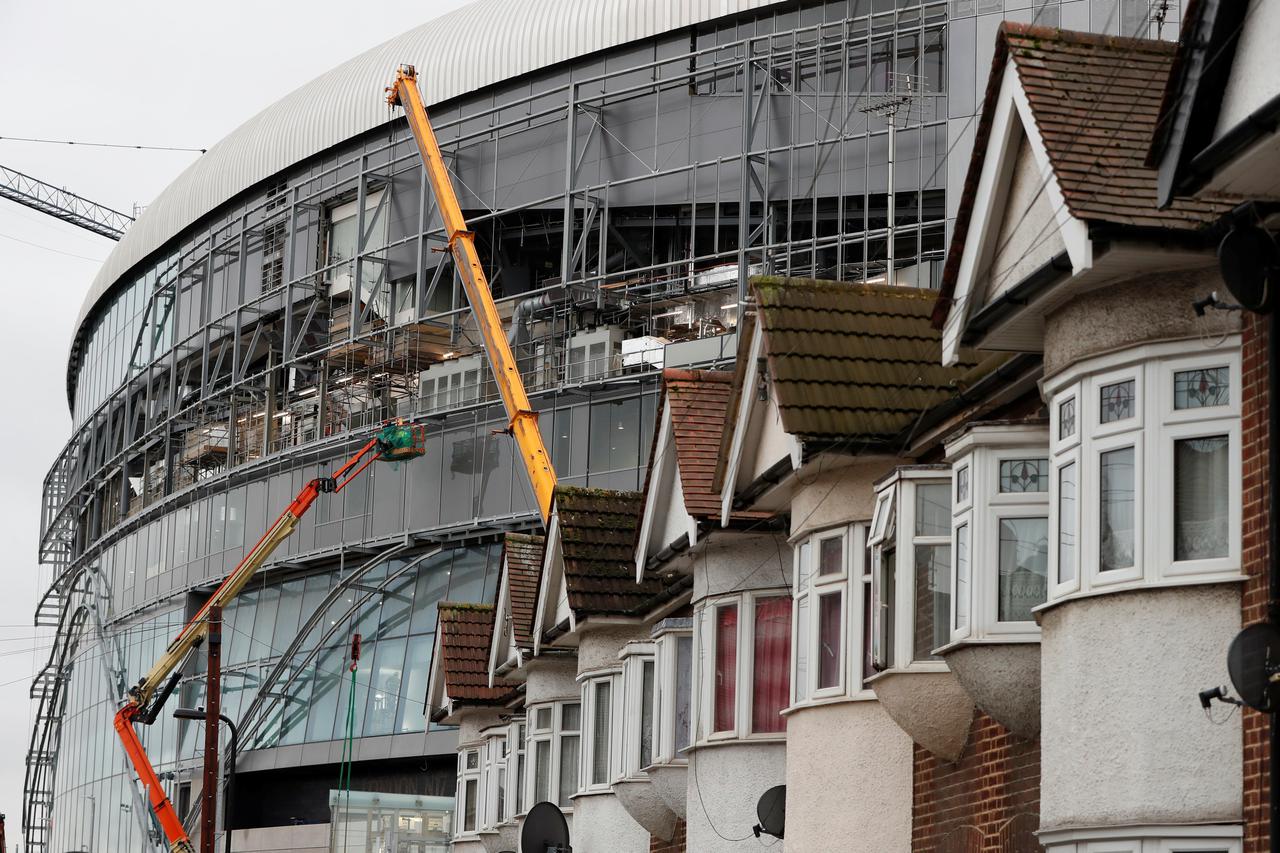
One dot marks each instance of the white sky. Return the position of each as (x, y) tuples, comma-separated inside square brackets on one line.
[(135, 72)]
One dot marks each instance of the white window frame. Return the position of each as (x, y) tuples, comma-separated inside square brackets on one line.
[(553, 735), (898, 490), (515, 804), (493, 758), (589, 683), (634, 657), (744, 668), (981, 448), (808, 586), (469, 774), (1152, 432), (666, 639)]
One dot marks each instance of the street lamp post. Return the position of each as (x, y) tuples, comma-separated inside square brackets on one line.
[(198, 714)]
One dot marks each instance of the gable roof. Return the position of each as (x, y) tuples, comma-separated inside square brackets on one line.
[(524, 566), (465, 632), (699, 403), (1095, 101), (855, 360), (597, 530)]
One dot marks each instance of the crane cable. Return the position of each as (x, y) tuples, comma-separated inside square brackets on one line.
[(348, 742)]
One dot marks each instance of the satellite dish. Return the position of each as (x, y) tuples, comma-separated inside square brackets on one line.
[(1249, 259), (772, 812), (545, 831), (1254, 664)]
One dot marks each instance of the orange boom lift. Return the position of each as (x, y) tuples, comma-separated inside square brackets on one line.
[(396, 442)]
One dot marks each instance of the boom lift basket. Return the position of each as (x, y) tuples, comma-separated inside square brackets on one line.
[(398, 442)]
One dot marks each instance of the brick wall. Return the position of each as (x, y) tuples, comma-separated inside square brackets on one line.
[(1253, 399), (987, 802), (675, 845)]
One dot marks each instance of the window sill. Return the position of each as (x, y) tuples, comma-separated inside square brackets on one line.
[(747, 740), (867, 695), (1020, 639), (1139, 586), (596, 791)]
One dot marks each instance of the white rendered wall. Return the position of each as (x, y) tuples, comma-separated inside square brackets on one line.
[(736, 562), (1123, 737), (848, 780), (831, 495), (551, 678), (726, 782), (1253, 71), (598, 647), (602, 825)]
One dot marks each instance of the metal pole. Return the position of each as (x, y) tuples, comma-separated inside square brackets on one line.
[(233, 747), (209, 795), (891, 214), (1273, 545)]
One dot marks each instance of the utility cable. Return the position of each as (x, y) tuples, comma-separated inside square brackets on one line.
[(100, 144), (51, 249)]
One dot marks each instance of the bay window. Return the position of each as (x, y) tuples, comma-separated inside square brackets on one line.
[(910, 547), (831, 608), (745, 647), (1145, 483), (1001, 476), (673, 696), (513, 781), (599, 696), (469, 789), (553, 747)]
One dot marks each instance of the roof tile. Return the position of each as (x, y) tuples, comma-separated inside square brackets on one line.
[(524, 567), (465, 634), (597, 539)]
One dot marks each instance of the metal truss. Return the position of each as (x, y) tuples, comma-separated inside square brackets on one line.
[(64, 205)]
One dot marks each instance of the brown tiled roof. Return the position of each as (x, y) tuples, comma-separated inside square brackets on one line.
[(524, 567), (699, 401), (597, 539), (856, 361), (465, 634), (1096, 101)]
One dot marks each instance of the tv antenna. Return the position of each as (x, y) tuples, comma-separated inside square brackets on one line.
[(894, 104)]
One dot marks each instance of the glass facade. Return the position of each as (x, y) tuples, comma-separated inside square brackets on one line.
[(637, 189)]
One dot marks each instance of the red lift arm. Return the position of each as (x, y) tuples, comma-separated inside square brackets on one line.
[(145, 700)]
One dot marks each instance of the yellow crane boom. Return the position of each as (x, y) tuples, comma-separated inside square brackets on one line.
[(506, 373)]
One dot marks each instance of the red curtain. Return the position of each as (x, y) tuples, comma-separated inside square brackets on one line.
[(829, 617), (771, 685), (726, 666)]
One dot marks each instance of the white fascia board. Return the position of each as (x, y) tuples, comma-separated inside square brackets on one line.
[(437, 697), (498, 641), (545, 604), (741, 421), (659, 487), (1012, 120)]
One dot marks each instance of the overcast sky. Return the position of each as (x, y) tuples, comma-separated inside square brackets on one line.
[(151, 73)]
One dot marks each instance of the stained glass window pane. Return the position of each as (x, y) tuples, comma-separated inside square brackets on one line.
[(1117, 509), (1067, 418), (1197, 389), (962, 484), (1201, 473), (1024, 475), (1117, 401)]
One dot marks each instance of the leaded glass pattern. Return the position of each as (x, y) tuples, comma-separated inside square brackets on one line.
[(1022, 476), (962, 484), (1067, 418), (1199, 389), (1117, 401)]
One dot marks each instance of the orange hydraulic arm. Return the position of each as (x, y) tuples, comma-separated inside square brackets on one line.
[(147, 697), (523, 420)]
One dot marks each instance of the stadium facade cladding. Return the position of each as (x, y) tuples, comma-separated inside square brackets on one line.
[(623, 181)]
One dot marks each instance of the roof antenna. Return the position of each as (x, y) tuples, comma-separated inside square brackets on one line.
[(1159, 14)]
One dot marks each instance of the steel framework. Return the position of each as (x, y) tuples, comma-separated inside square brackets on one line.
[(62, 204)]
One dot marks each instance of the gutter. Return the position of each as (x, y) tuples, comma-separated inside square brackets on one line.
[(679, 546), (1254, 127), (1054, 271), (771, 477)]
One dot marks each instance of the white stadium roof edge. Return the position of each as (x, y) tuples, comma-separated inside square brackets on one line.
[(478, 45)]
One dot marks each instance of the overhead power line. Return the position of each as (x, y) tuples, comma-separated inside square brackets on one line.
[(101, 144)]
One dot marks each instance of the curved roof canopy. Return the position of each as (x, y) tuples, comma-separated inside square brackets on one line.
[(478, 45)]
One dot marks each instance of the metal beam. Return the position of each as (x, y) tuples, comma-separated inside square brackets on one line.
[(63, 205)]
